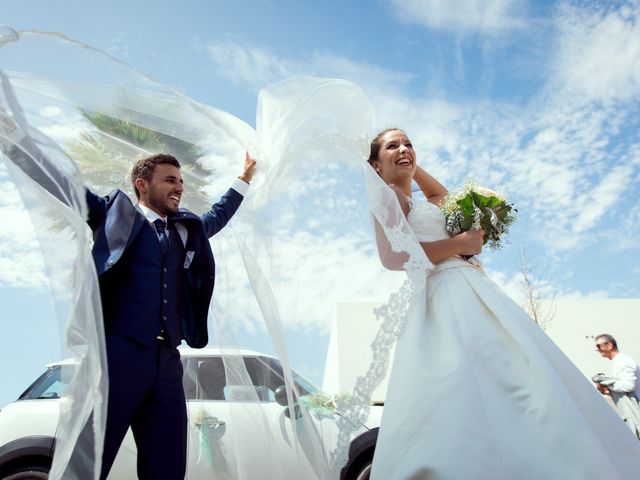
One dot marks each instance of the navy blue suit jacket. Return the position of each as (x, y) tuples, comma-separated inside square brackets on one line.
[(115, 223)]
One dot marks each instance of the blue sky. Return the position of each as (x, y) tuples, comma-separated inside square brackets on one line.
[(538, 98)]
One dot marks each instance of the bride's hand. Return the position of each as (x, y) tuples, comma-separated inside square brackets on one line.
[(470, 242)]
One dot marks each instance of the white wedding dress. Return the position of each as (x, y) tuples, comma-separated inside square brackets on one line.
[(478, 390)]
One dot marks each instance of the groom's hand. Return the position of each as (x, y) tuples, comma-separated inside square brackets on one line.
[(249, 168)]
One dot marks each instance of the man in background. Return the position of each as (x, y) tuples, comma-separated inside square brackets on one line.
[(622, 383)]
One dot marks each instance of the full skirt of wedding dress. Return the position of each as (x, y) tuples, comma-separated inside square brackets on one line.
[(479, 391)]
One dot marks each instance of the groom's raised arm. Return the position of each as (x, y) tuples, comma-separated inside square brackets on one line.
[(27, 153), (24, 153), (221, 212)]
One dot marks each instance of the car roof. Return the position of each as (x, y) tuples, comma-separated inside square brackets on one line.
[(217, 351), (191, 352)]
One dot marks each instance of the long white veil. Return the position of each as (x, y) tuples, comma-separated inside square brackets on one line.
[(83, 121), (300, 244)]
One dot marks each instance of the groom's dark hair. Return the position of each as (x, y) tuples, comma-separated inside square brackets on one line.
[(144, 167)]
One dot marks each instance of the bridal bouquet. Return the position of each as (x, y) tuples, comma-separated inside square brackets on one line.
[(478, 207)]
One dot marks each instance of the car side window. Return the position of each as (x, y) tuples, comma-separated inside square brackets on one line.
[(205, 379), (212, 379), (264, 379)]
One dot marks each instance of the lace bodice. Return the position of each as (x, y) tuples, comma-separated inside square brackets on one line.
[(427, 221)]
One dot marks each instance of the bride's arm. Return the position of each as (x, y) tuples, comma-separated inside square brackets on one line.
[(432, 189), (391, 260), (465, 243)]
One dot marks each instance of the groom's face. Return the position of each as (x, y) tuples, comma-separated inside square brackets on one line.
[(163, 193)]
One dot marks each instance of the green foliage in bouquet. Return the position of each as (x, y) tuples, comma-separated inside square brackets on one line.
[(479, 207), (319, 402)]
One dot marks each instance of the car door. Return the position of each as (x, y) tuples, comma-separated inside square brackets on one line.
[(237, 430), (210, 442), (297, 440)]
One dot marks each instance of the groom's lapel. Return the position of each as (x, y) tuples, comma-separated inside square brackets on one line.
[(122, 225)]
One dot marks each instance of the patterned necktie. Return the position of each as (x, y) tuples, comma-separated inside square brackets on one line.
[(162, 233)]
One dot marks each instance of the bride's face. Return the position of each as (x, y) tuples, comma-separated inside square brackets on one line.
[(396, 159)]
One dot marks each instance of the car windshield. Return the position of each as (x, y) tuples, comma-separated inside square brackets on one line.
[(305, 385), (51, 384)]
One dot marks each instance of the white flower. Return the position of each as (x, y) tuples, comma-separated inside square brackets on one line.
[(489, 193)]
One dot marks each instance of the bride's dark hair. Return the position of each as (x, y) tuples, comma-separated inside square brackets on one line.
[(375, 144)]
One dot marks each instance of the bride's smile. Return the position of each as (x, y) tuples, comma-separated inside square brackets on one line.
[(396, 161)]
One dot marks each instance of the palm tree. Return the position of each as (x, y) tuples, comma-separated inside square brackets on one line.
[(107, 152)]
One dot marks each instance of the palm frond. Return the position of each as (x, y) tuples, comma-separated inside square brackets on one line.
[(137, 135)]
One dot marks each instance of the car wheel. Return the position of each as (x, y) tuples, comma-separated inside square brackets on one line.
[(28, 473), (364, 472)]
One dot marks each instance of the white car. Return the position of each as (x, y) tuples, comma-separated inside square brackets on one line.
[(28, 425)]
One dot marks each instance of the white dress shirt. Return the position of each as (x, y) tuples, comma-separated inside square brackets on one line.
[(625, 370)]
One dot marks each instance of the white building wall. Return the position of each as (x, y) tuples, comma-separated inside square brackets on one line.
[(578, 321), (349, 354), (575, 324)]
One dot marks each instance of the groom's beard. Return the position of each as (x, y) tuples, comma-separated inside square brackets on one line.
[(160, 202)]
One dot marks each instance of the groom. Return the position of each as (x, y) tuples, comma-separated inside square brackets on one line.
[(156, 273)]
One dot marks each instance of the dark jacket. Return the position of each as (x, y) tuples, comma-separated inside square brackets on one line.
[(116, 223)]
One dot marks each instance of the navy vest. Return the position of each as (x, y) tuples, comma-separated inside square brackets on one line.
[(142, 292)]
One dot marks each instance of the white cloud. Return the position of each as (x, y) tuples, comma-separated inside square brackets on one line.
[(560, 157), (462, 16), (257, 67), (555, 160), (309, 273), (510, 284), (598, 54), (21, 262), (541, 284), (248, 65), (606, 193)]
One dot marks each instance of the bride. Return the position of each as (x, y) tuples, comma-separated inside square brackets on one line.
[(477, 390)]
